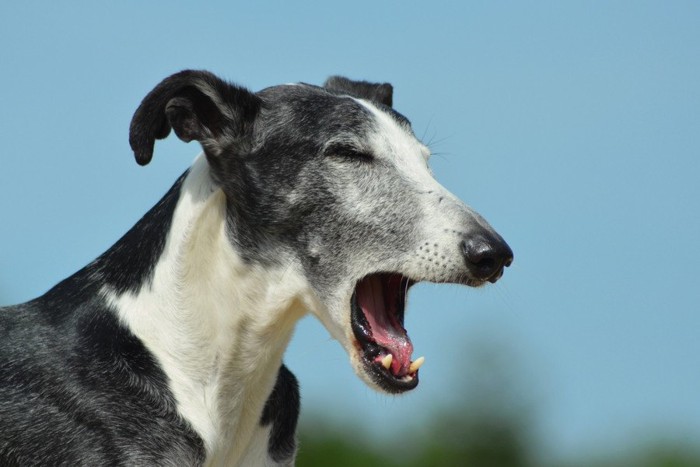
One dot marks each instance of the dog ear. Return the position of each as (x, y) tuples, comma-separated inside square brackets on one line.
[(197, 106), (381, 93)]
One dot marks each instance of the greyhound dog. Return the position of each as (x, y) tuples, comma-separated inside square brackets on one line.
[(167, 349)]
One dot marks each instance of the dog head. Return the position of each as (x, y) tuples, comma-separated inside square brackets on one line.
[(333, 179)]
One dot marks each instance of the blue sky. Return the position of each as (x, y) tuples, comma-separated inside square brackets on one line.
[(573, 127)]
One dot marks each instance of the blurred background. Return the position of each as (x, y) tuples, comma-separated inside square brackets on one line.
[(573, 127)]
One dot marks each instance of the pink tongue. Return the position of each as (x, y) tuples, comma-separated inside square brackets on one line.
[(381, 316)]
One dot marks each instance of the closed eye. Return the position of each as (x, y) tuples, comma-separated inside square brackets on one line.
[(350, 153)]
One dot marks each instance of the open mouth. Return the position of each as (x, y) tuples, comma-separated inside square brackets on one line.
[(377, 321)]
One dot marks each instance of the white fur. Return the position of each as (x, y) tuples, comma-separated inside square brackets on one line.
[(447, 213), (217, 326), (257, 450)]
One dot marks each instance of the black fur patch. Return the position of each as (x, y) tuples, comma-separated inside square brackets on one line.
[(378, 93), (282, 410), (198, 106)]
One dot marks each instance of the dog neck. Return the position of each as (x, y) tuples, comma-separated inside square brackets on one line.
[(217, 325)]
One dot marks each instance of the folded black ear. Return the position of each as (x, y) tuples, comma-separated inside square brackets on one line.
[(198, 106), (381, 93)]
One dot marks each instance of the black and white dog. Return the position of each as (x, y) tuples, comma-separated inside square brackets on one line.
[(167, 349)]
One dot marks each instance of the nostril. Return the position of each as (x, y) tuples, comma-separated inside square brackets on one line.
[(479, 258), (486, 259), (487, 264)]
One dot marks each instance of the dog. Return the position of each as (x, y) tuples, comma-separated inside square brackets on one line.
[(167, 349)]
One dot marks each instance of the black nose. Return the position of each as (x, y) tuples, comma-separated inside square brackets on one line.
[(486, 256)]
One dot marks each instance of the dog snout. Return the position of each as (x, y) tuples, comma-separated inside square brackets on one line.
[(486, 255)]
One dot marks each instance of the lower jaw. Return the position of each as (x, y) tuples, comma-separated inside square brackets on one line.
[(387, 382)]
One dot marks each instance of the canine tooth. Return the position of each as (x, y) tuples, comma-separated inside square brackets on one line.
[(417, 363), (386, 361)]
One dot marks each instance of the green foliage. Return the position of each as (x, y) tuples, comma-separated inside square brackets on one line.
[(335, 450), (456, 440), (493, 426), (449, 441)]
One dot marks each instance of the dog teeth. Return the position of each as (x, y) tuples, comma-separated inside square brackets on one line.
[(386, 361), (417, 363)]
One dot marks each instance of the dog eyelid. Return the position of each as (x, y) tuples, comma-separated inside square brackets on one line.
[(350, 153)]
